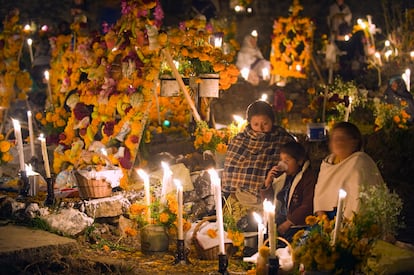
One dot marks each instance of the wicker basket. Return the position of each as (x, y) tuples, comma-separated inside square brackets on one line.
[(93, 188), (211, 253)]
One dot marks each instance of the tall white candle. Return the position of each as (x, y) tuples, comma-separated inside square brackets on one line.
[(29, 44), (45, 155), (31, 133), (146, 180), (49, 88), (19, 140), (339, 214), (348, 110), (179, 187), (269, 209), (260, 228), (264, 217), (265, 73), (166, 181), (408, 74), (216, 184)]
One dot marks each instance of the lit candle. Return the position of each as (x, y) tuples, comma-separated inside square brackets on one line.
[(263, 97), (269, 210), (216, 185), (19, 140), (146, 180), (29, 43), (265, 73), (239, 121), (49, 88), (387, 55), (408, 82), (27, 28), (264, 217), (179, 187), (245, 73), (339, 213), (45, 155), (218, 41), (412, 55), (31, 134), (260, 229), (166, 181), (348, 110)]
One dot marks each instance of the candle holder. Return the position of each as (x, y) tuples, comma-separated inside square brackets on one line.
[(50, 198), (181, 255), (273, 266), (223, 264), (24, 181)]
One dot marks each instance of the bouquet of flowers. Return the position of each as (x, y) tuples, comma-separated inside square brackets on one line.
[(211, 139)]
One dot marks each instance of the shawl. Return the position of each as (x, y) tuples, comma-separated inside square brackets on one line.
[(250, 155), (350, 174)]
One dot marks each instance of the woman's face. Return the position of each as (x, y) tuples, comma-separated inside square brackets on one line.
[(292, 164), (261, 123), (341, 144)]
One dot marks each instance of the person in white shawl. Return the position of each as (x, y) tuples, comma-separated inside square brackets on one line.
[(347, 168)]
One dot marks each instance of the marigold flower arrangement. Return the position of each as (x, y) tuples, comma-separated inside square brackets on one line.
[(164, 214), (291, 44), (15, 82), (207, 138), (339, 96), (388, 116), (5, 147), (377, 218)]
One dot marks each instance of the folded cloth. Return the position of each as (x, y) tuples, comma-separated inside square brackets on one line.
[(205, 241)]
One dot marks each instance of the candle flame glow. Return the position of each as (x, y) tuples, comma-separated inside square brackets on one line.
[(342, 193), (268, 206), (245, 73), (142, 174), (178, 184), (46, 74), (29, 41)]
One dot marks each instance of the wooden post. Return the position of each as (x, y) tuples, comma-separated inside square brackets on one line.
[(181, 84)]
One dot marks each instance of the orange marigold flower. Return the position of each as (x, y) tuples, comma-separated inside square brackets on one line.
[(106, 248), (137, 209), (311, 90), (4, 146), (207, 136), (164, 217), (212, 233), (289, 105), (131, 232), (221, 148), (397, 119), (311, 220)]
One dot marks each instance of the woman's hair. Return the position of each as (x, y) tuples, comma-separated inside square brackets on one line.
[(260, 107), (295, 150), (352, 131)]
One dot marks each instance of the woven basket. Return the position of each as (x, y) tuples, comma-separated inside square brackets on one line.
[(211, 253), (283, 240), (93, 188)]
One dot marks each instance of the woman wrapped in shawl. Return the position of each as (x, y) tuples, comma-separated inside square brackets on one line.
[(347, 168), (250, 156)]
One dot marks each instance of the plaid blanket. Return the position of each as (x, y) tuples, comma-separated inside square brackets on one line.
[(250, 155)]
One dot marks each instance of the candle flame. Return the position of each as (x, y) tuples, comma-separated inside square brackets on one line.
[(166, 167), (178, 184), (46, 73), (257, 218), (268, 206), (245, 73), (29, 41), (16, 123), (263, 97), (342, 193)]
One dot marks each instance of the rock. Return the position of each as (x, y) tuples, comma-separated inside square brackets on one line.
[(123, 224), (210, 203), (68, 221), (199, 209), (202, 185), (190, 196), (106, 207), (32, 210)]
